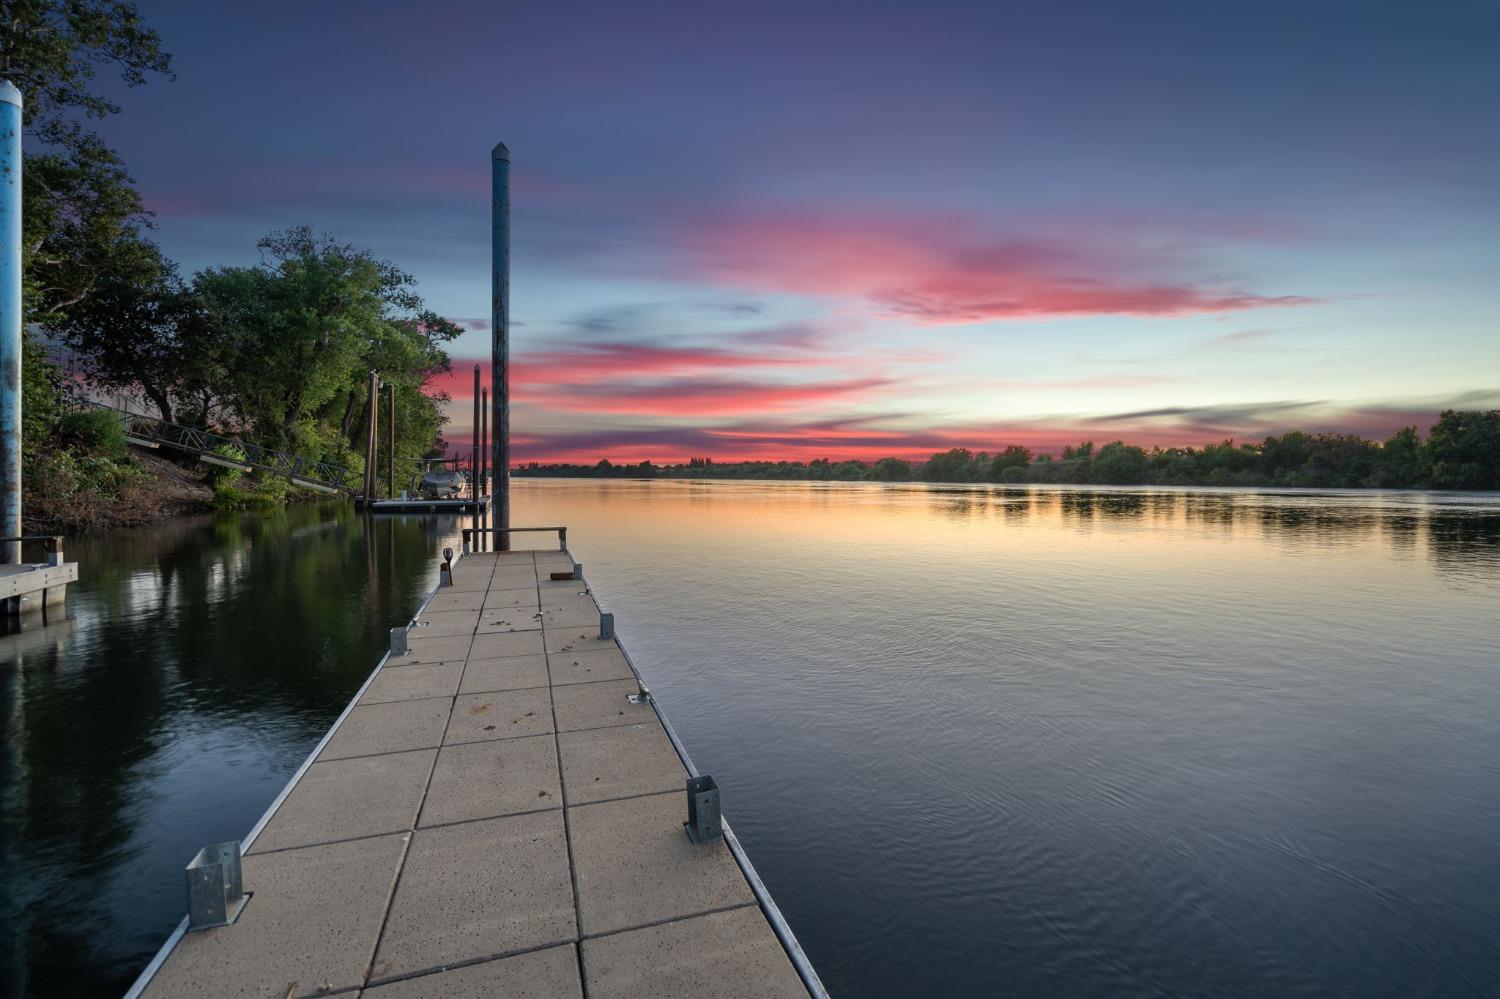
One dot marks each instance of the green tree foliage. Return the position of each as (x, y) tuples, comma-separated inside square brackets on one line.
[(82, 217), (1464, 450), (1119, 463), (299, 334), (955, 465), (1013, 456), (145, 330)]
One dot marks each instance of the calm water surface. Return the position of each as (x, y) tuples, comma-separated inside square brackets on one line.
[(977, 741)]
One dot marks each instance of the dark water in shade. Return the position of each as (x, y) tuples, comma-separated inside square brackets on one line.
[(977, 741)]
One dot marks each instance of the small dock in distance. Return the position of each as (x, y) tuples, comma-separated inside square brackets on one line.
[(499, 812)]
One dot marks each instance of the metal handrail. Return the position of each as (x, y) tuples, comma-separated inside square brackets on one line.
[(158, 431), (51, 542), (562, 533)]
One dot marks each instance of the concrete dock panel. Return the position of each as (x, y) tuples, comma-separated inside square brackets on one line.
[(540, 974), (424, 649), (724, 954), (392, 727), (635, 865), (588, 667), (345, 799), (597, 705), (499, 646), (499, 714), (510, 673), (483, 780), (441, 624), (619, 762), (476, 890), (309, 927), (413, 683)]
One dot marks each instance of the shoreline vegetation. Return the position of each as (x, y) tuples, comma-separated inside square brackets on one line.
[(278, 353), (1462, 452)]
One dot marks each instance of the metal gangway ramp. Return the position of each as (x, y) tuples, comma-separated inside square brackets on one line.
[(309, 473)]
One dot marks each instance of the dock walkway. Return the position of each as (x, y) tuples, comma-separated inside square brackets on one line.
[(491, 817)]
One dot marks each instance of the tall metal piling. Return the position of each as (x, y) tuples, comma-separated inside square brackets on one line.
[(10, 321), (500, 337)]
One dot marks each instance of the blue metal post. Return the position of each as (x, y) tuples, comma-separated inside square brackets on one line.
[(10, 320), (500, 337)]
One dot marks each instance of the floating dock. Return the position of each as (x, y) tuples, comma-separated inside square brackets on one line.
[(501, 811), (417, 504), (29, 588)]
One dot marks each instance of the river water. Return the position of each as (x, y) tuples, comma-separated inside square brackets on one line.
[(978, 741)]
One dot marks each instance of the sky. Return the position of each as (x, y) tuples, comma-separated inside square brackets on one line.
[(855, 230)]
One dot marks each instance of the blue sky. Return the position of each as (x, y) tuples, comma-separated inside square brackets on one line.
[(861, 229)]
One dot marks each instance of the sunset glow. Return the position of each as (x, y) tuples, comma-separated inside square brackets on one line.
[(1037, 232)]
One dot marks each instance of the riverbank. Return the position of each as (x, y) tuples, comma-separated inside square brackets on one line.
[(91, 494)]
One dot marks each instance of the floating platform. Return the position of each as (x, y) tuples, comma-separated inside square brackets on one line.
[(500, 811), (31, 588), (415, 504)]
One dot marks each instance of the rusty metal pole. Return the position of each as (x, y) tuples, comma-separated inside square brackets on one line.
[(371, 450), (500, 334), (10, 321), (390, 444)]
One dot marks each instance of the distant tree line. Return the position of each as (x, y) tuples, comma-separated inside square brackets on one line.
[(1462, 451)]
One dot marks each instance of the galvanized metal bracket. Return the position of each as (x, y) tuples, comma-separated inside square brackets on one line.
[(641, 696), (705, 822), (398, 641), (606, 625), (215, 886)]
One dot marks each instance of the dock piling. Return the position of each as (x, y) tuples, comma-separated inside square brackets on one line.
[(500, 336), (10, 321)]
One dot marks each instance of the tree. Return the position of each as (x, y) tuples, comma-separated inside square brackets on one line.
[(1464, 450), (300, 333), (1120, 464), (142, 330), (1401, 461), (51, 50), (1014, 456), (954, 465), (81, 215), (890, 470)]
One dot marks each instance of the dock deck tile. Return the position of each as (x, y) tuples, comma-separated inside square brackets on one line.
[(476, 890), (484, 780), (728, 955), (308, 928), (636, 865), (345, 799)]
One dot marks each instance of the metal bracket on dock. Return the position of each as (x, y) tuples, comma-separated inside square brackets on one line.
[(398, 641), (215, 886), (705, 822), (642, 694), (578, 571), (606, 625)]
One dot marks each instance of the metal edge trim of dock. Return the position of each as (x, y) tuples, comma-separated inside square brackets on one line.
[(783, 930)]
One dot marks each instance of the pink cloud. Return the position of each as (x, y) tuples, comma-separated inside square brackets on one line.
[(939, 273), (705, 398)]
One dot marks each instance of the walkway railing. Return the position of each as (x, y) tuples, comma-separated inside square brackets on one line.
[(150, 431)]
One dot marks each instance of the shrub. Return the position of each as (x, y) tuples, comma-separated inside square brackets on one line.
[(222, 475), (93, 433)]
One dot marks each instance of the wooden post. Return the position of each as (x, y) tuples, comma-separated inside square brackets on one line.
[(390, 445)]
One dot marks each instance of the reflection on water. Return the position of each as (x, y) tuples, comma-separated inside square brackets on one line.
[(978, 741), (202, 661)]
